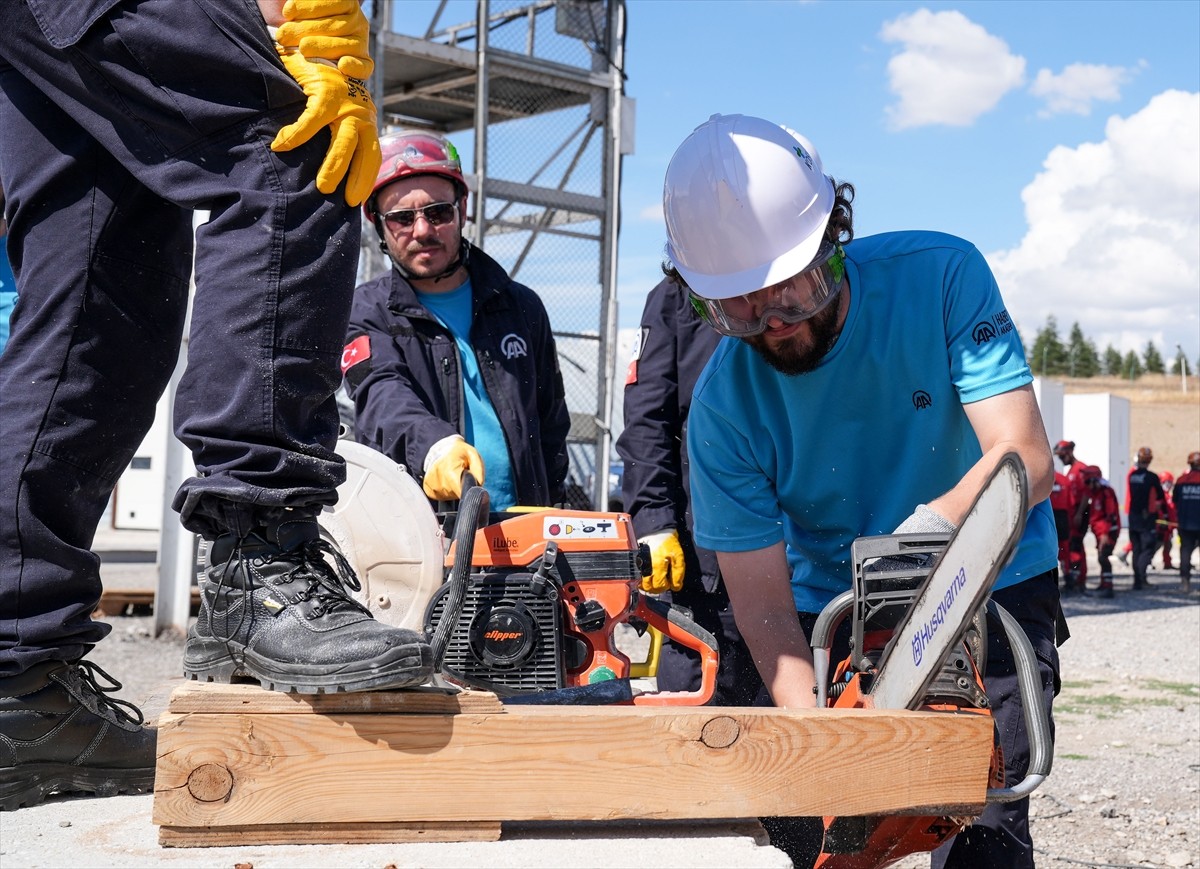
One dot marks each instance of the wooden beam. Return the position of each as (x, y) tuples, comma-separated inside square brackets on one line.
[(133, 601), (240, 759)]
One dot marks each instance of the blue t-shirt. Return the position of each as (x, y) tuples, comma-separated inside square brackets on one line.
[(8, 292), (850, 449), (482, 426)]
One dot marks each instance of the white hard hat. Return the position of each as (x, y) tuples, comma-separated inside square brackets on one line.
[(746, 203)]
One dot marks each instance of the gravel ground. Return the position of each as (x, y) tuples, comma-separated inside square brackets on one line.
[(1125, 787)]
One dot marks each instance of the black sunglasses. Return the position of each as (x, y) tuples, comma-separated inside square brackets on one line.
[(437, 214)]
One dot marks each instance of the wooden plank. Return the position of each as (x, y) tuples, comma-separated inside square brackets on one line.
[(328, 834), (241, 769), (133, 601), (217, 699)]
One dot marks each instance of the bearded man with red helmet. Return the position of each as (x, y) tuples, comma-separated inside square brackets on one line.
[(1187, 506), (451, 363), (1104, 517)]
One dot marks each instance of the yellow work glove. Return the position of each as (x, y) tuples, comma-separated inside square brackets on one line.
[(344, 105), (444, 467), (334, 30), (666, 562)]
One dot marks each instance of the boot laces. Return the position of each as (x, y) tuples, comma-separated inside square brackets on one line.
[(82, 681), (327, 584)]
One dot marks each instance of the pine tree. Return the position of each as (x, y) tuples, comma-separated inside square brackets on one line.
[(1153, 359), (1082, 359), (1180, 364), (1112, 361), (1048, 356), (1131, 366)]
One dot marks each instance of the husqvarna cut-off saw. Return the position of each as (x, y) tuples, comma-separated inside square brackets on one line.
[(918, 641), (523, 603)]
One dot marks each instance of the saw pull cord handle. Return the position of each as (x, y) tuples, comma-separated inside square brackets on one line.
[(832, 615), (472, 511), (676, 624), (1037, 719)]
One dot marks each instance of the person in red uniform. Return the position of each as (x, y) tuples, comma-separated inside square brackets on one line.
[(1063, 503), (1104, 517), (1075, 567), (1167, 524)]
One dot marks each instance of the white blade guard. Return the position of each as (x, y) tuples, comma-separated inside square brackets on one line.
[(958, 585), (384, 526)]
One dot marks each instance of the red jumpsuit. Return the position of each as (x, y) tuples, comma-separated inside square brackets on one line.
[(1065, 505), (1104, 516), (1076, 556), (1167, 525)]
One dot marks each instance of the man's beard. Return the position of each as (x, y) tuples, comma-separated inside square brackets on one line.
[(796, 356)]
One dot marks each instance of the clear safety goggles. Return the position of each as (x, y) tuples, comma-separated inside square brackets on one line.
[(800, 297)]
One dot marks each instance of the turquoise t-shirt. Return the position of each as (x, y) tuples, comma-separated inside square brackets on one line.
[(8, 292), (482, 426), (850, 449)]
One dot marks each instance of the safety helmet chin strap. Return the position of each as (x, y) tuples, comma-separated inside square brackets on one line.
[(464, 255)]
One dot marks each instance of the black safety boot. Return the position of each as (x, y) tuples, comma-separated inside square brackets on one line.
[(278, 612), (60, 733), (1106, 585)]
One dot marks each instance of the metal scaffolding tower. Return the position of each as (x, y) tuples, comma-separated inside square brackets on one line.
[(532, 95)]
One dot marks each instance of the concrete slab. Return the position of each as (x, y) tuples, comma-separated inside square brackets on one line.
[(117, 832)]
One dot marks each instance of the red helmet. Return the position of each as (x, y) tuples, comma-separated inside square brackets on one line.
[(415, 153), (1063, 446), (1091, 472), (1166, 477)]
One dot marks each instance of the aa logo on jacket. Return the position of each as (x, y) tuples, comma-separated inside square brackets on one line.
[(513, 345)]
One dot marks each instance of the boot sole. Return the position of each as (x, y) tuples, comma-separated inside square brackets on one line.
[(215, 661), (30, 783)]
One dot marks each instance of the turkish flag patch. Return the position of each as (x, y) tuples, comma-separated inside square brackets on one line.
[(356, 351)]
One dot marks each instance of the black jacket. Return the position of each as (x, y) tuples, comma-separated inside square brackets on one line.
[(408, 392), (1146, 500), (673, 346)]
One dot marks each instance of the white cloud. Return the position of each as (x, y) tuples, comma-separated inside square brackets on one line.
[(1113, 239), (1078, 86), (949, 71), (652, 212)]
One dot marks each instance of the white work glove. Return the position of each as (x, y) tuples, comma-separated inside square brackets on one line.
[(444, 466), (921, 521), (925, 521), (666, 560)]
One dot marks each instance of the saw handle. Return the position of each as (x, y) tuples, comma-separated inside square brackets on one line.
[(675, 623)]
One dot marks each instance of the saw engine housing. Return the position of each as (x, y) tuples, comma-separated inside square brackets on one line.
[(544, 595)]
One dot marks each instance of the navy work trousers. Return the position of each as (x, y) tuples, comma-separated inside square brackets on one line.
[(118, 120)]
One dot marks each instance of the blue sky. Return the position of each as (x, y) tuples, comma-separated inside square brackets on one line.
[(1062, 138)]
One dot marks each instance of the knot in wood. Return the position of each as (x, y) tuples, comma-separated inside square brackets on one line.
[(720, 732), (210, 782)]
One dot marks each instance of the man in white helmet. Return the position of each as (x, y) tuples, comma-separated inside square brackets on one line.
[(866, 387)]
